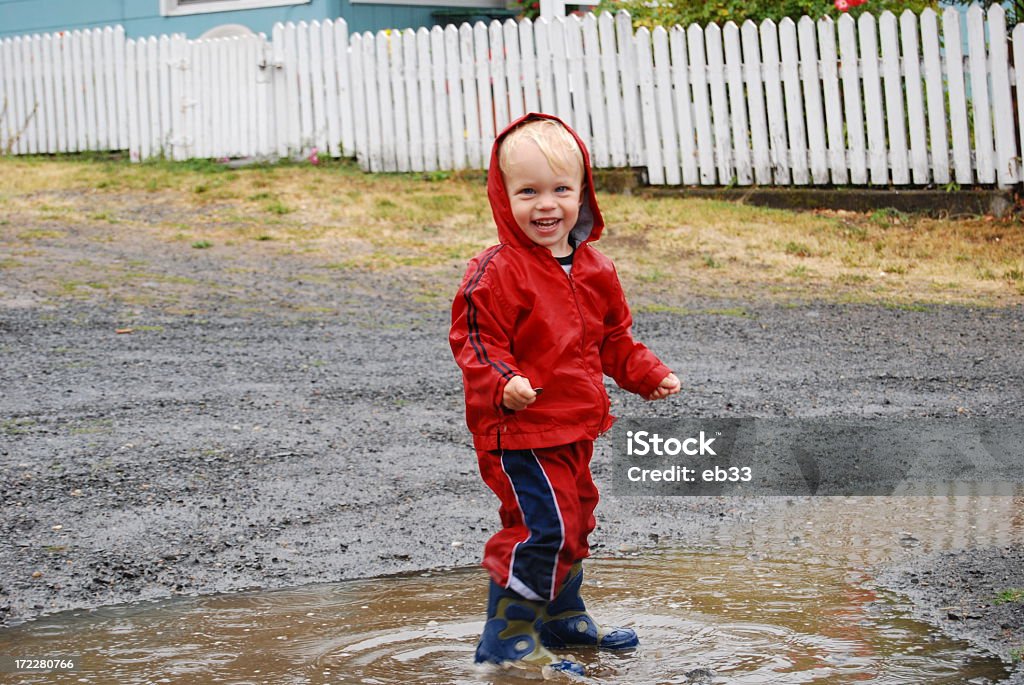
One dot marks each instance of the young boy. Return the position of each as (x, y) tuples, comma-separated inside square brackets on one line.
[(538, 320)]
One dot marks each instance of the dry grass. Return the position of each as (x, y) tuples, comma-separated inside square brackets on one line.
[(667, 250)]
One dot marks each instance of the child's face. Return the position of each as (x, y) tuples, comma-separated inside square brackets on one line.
[(545, 202)]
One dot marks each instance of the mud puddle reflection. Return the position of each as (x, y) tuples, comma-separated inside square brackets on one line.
[(784, 600)]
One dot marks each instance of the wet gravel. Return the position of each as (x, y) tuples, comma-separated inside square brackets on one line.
[(232, 447)]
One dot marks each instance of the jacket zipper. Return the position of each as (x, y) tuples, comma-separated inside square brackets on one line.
[(583, 335)]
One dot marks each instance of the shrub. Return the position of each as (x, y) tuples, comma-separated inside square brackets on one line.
[(651, 13)]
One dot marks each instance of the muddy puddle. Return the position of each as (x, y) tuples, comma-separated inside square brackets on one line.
[(787, 599)]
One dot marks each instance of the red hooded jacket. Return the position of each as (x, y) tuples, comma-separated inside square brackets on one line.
[(517, 313)]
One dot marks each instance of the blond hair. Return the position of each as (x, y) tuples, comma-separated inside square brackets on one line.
[(557, 145)]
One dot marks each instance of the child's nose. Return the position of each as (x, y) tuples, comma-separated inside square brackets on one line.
[(547, 200)]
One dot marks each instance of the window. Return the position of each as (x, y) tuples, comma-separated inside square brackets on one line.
[(173, 8)]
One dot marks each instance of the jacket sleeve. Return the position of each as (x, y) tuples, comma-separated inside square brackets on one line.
[(480, 342), (634, 367)]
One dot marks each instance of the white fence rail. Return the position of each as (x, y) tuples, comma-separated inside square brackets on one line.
[(886, 101)]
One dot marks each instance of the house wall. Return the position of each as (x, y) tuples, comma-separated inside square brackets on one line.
[(142, 17)]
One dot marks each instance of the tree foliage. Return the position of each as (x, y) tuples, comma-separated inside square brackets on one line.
[(651, 13)]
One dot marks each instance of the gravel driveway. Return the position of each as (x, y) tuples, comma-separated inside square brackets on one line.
[(265, 428)]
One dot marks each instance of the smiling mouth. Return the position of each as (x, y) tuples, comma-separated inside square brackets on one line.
[(546, 224)]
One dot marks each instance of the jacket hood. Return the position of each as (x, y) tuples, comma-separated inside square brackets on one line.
[(588, 226)]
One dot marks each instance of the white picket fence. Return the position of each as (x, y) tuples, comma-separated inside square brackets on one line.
[(869, 102)]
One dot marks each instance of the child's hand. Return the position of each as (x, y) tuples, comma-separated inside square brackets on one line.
[(669, 386), (519, 394)]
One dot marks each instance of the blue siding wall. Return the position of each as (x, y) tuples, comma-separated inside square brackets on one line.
[(142, 17)]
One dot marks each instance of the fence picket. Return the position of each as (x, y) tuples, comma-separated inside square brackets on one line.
[(415, 114), (874, 117), (543, 66), (110, 87), (778, 135), (278, 81), (292, 72), (896, 118), (345, 88), (667, 142), (20, 111), (484, 94), (118, 39), (470, 111), (400, 102), (577, 87), (67, 93), (205, 117), (528, 52), (317, 85), (48, 99), (307, 128), (375, 148), (264, 80), (751, 49), (499, 76), (191, 103), (915, 97), (442, 118), (983, 145), (737, 105), (149, 117), (329, 60), (232, 87), (427, 124), (360, 114), (701, 104), (560, 72), (797, 132), (815, 121), (648, 110), (1018, 60), (1007, 165), (131, 94), (833, 101), (6, 78), (854, 113), (514, 79), (630, 92), (719, 104), (176, 67), (936, 97), (454, 90), (33, 88), (88, 67), (156, 83), (595, 90), (957, 95), (385, 102), (683, 108), (612, 94)]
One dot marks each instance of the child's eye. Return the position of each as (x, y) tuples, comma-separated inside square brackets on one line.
[(527, 191), (563, 189)]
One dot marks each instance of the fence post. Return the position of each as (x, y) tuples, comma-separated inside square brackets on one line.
[(552, 9)]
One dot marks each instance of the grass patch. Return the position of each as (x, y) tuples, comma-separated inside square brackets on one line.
[(1010, 596), (279, 208), (16, 426), (665, 249)]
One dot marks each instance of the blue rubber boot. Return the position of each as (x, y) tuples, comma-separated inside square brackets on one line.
[(566, 622), (510, 634)]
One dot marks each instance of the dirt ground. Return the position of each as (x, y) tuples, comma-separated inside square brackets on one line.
[(226, 418)]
